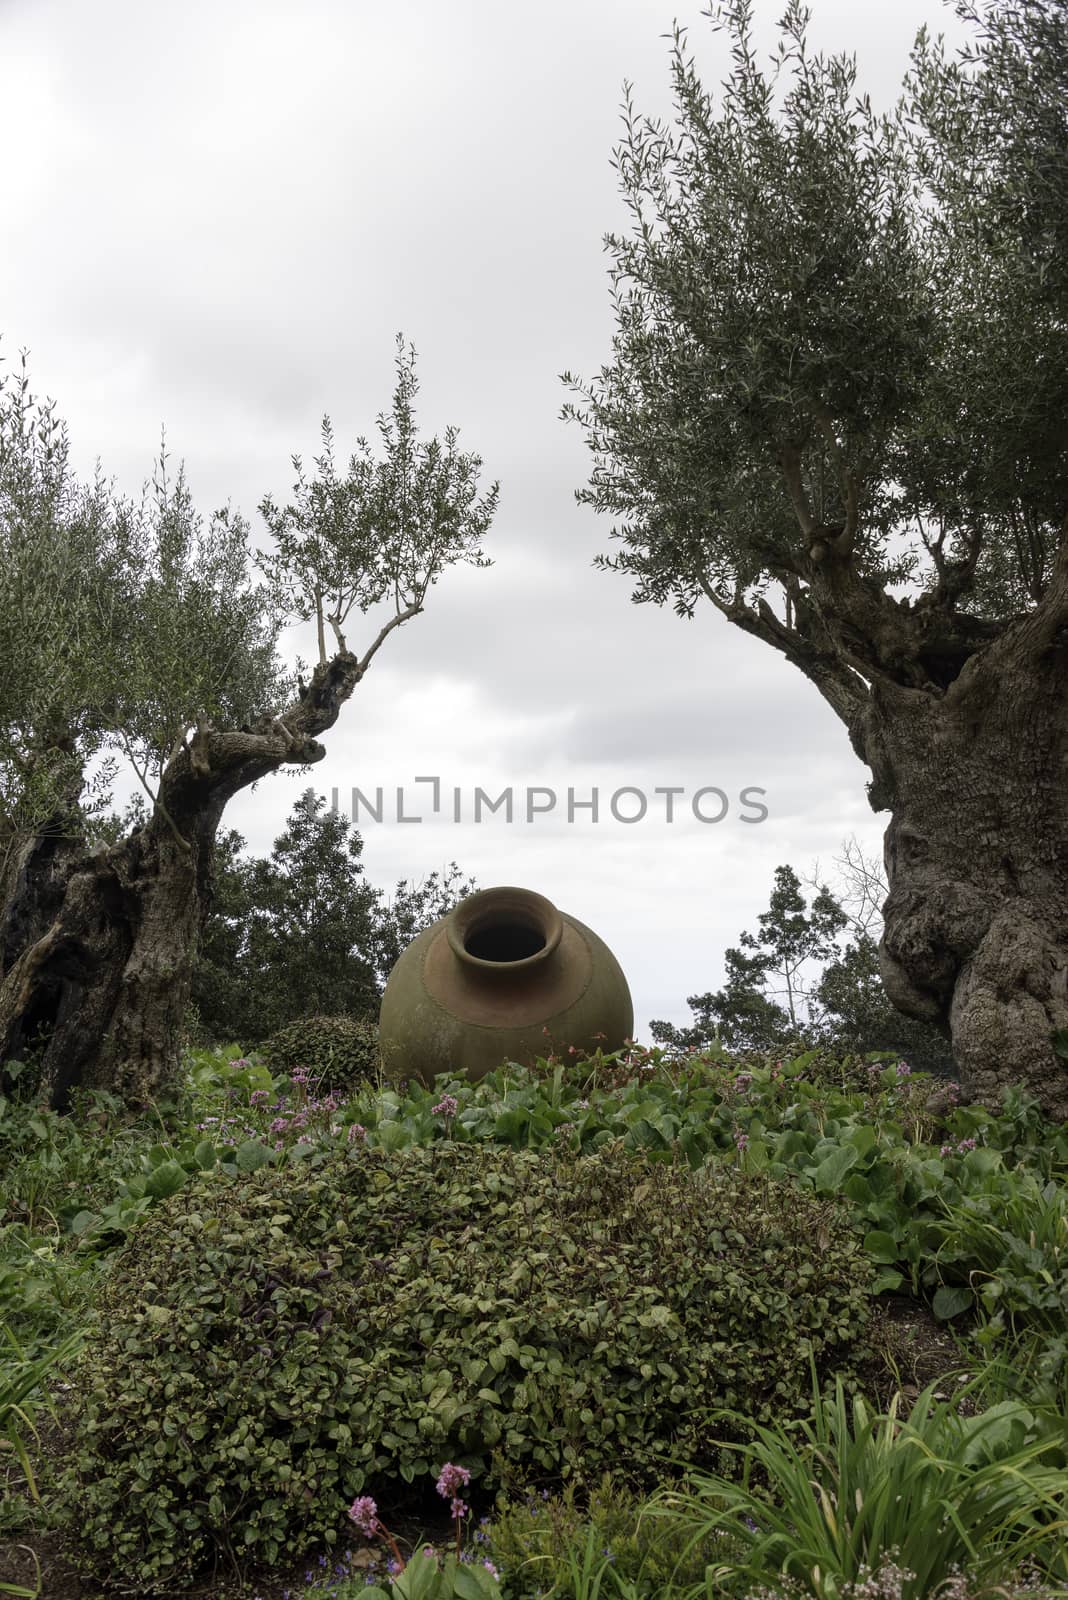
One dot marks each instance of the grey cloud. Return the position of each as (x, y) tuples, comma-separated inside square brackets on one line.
[(219, 218)]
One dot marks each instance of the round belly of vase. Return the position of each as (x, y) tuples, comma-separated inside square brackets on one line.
[(505, 976)]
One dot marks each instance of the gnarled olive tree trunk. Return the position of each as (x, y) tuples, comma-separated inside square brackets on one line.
[(976, 921), (97, 947)]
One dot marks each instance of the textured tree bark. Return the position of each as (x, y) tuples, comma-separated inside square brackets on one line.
[(103, 985), (976, 921), (97, 948)]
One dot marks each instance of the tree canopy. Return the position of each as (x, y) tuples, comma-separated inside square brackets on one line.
[(840, 366), (129, 628)]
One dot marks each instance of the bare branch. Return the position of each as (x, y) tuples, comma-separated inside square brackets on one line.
[(383, 634)]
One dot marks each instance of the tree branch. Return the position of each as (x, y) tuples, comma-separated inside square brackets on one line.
[(410, 611), (844, 690), (790, 459), (847, 483)]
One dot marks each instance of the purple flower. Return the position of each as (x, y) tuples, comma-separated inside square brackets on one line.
[(447, 1106), (490, 1568), (393, 1566), (741, 1139), (357, 1131), (452, 1480), (904, 1070), (458, 1508), (428, 1550), (364, 1514)]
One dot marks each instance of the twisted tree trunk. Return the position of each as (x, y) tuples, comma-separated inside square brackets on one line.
[(97, 948), (976, 920), (963, 721)]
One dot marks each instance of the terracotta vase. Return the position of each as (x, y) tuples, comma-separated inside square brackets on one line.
[(505, 976)]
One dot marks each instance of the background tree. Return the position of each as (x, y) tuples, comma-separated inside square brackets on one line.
[(302, 932), (855, 1012), (795, 983), (413, 906), (767, 999), (144, 633), (836, 412)]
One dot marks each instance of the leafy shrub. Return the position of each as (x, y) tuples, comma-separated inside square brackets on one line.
[(266, 1347), (336, 1052)]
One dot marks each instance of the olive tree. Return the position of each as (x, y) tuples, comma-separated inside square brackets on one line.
[(147, 635), (837, 414)]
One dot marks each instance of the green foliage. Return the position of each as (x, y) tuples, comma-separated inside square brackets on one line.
[(265, 1349), (53, 1168), (385, 531), (748, 1014), (426, 1578), (937, 1493), (855, 1129), (336, 1052), (427, 1575), (292, 934), (158, 604), (776, 999), (22, 1384), (856, 1013), (1029, 1369), (1005, 1242), (302, 931), (541, 1544), (824, 317)]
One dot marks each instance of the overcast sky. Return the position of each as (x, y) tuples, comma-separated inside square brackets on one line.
[(218, 215)]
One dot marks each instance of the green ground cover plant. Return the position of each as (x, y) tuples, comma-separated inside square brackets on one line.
[(960, 1205), (269, 1346)]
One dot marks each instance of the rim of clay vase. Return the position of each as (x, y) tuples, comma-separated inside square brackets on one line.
[(522, 926)]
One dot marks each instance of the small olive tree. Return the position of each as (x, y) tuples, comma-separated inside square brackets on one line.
[(149, 635)]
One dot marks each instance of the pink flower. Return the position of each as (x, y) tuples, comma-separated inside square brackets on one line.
[(356, 1131), (364, 1514), (447, 1106), (452, 1480), (490, 1568), (458, 1508)]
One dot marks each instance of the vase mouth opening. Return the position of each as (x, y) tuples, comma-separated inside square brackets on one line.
[(504, 929)]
